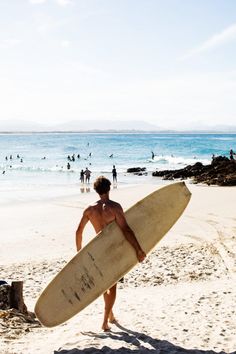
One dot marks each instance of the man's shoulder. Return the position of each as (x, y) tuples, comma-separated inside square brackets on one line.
[(90, 208), (115, 204)]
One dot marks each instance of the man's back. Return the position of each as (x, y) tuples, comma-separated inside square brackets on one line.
[(102, 213)]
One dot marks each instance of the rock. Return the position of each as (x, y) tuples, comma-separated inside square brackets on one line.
[(11, 296), (5, 296), (136, 169), (221, 172)]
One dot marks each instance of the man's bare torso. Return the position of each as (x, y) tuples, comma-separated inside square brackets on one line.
[(102, 213)]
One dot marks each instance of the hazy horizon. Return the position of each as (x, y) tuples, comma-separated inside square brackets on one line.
[(169, 63), (104, 126)]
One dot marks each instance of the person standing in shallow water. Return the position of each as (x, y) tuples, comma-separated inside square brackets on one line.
[(114, 174), (100, 214), (82, 176), (87, 173), (231, 154)]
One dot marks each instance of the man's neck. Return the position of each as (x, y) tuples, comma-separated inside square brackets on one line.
[(104, 197)]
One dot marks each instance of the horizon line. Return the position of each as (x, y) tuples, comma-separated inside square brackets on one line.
[(109, 131)]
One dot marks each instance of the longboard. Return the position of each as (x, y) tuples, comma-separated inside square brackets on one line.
[(109, 256)]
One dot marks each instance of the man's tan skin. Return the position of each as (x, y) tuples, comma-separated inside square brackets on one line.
[(100, 214)]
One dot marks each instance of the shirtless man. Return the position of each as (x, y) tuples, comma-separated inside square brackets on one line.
[(100, 214)]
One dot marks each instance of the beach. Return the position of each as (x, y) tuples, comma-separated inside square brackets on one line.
[(181, 299)]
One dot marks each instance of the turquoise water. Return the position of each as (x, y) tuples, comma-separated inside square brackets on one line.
[(44, 156)]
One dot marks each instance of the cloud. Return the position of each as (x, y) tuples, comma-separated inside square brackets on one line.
[(64, 2), (79, 67), (58, 2), (34, 2), (227, 35), (65, 44), (9, 43), (49, 24)]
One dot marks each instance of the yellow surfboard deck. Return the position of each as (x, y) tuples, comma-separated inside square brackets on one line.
[(105, 259)]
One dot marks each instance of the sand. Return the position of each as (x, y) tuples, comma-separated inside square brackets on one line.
[(181, 299)]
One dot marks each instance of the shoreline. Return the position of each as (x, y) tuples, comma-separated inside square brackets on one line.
[(182, 298)]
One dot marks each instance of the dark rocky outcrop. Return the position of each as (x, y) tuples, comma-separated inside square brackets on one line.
[(221, 172), (11, 296), (139, 171)]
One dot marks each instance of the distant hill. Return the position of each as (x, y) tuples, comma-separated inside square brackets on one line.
[(106, 125), (109, 126), (89, 125)]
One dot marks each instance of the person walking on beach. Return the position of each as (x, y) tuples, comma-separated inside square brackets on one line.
[(82, 176), (87, 173), (114, 174), (100, 214)]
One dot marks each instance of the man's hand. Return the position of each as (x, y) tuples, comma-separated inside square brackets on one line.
[(141, 255)]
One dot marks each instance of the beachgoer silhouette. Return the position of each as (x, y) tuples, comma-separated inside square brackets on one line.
[(68, 166), (87, 173), (231, 154), (82, 176), (153, 155), (114, 174)]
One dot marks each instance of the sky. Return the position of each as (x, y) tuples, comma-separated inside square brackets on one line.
[(171, 63)]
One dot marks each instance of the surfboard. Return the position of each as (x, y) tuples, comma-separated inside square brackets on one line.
[(109, 256)]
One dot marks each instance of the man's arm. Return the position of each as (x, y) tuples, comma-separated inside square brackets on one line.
[(80, 229), (128, 233)]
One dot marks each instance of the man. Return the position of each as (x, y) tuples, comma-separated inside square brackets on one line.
[(82, 176), (100, 214), (231, 154), (114, 174), (87, 173)]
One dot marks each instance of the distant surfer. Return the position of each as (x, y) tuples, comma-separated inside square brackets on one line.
[(100, 214), (153, 155)]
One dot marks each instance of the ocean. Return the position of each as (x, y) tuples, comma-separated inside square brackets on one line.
[(35, 161)]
